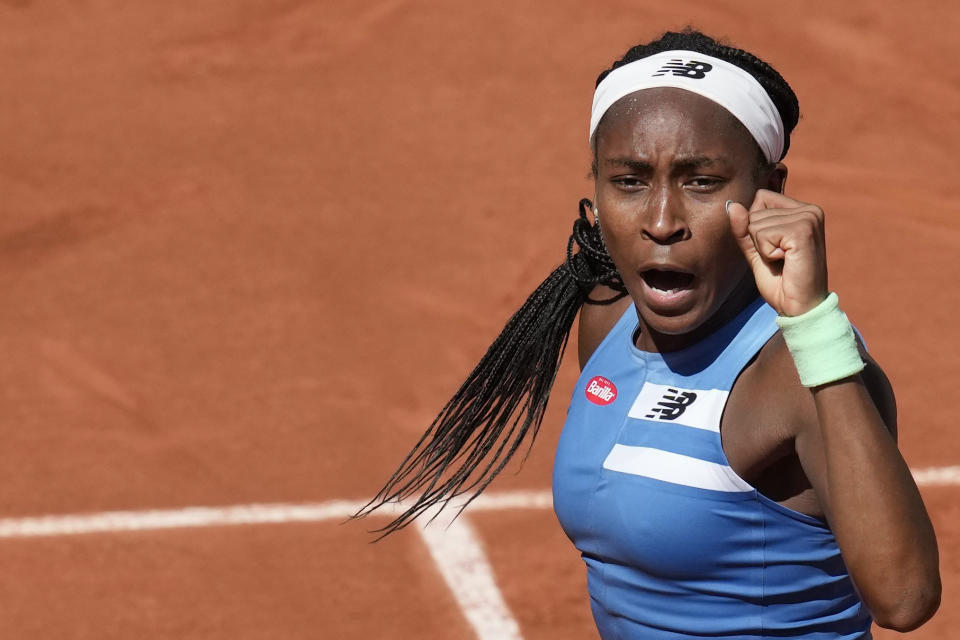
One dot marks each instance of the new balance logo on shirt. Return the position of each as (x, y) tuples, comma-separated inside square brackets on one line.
[(698, 408), (672, 405)]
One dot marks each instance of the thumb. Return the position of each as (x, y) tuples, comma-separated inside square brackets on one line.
[(740, 226)]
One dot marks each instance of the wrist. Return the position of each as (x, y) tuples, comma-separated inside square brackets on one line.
[(822, 343), (800, 308)]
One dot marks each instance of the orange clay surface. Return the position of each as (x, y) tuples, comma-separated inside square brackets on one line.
[(249, 247)]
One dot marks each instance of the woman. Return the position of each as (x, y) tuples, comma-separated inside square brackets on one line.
[(728, 467)]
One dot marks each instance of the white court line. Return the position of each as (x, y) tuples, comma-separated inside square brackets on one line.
[(451, 542), (461, 560), (511, 500), (252, 514), (455, 548), (937, 476), (234, 515), (110, 521)]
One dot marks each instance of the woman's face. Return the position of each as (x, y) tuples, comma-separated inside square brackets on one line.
[(667, 160)]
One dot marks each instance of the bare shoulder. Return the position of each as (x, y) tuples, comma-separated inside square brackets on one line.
[(773, 376), (596, 320), (769, 409), (764, 411)]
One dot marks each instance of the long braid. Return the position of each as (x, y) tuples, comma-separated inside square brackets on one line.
[(505, 397)]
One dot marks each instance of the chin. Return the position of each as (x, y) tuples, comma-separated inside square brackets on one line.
[(674, 312), (674, 325), (681, 321)]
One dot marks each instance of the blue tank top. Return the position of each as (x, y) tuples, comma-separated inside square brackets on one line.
[(676, 544)]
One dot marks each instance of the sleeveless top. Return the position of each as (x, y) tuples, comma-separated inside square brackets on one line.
[(676, 544)]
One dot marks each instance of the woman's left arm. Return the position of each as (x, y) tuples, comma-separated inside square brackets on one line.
[(871, 502), (846, 448)]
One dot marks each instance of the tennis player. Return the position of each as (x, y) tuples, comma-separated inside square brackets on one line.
[(728, 467)]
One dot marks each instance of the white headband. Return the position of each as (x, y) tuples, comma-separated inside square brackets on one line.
[(718, 80)]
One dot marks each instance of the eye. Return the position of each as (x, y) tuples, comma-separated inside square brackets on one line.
[(628, 183), (705, 184)]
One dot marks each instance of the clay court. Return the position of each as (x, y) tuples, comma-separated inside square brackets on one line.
[(249, 248)]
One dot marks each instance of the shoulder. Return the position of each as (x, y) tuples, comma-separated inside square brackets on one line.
[(596, 321), (773, 375), (770, 413)]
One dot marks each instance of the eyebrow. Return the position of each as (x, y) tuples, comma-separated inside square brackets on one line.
[(682, 162)]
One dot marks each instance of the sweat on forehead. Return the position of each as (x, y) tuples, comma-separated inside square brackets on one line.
[(659, 101), (679, 114)]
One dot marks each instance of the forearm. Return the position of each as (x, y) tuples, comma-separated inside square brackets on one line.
[(875, 509)]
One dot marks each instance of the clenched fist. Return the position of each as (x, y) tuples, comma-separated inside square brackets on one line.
[(783, 240)]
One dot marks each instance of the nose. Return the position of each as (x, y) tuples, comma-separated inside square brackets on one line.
[(665, 222)]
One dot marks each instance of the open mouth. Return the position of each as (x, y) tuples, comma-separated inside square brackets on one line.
[(667, 281)]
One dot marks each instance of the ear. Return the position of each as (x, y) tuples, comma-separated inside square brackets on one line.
[(776, 178)]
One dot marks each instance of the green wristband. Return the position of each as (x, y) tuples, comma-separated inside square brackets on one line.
[(822, 343)]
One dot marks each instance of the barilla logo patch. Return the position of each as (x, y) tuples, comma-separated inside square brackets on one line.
[(601, 391)]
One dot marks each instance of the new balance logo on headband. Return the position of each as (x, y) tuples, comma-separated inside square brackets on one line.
[(672, 405), (691, 69), (718, 80)]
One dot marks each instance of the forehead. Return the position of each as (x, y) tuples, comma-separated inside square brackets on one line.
[(673, 121)]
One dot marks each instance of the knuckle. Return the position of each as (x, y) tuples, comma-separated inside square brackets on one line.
[(811, 219)]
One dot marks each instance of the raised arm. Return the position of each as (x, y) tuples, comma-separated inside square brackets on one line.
[(846, 439)]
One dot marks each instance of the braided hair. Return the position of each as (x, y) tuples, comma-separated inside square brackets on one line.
[(504, 398)]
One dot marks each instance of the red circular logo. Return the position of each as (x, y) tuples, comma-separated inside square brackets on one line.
[(601, 391)]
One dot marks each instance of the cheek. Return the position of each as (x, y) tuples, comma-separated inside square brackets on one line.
[(718, 229), (620, 235), (615, 223), (718, 246), (729, 269)]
